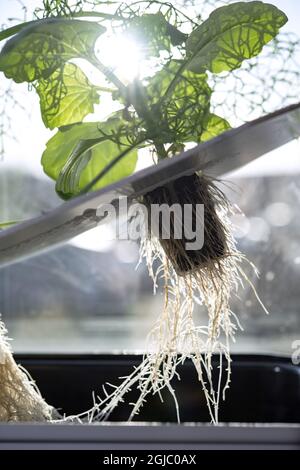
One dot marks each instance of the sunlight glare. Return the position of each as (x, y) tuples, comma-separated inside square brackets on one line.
[(122, 54), (100, 239)]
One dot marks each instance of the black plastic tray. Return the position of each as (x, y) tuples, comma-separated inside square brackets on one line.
[(264, 389)]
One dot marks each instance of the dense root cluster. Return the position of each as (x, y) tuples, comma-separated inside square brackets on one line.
[(20, 399)]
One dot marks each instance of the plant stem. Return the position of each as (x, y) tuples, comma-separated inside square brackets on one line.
[(110, 75), (160, 150), (105, 89), (140, 107), (167, 4)]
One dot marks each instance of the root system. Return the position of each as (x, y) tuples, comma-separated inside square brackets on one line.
[(208, 277)]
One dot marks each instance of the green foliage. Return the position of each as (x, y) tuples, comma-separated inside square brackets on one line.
[(45, 45), (213, 125), (7, 33), (153, 33), (75, 154), (231, 34), (185, 107), (66, 97), (60, 7), (164, 111)]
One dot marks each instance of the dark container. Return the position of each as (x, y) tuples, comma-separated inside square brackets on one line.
[(264, 389)]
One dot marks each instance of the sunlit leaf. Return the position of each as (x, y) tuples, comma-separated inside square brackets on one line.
[(177, 37), (213, 126), (231, 34), (153, 33), (45, 45), (8, 32), (78, 153), (184, 110), (66, 97)]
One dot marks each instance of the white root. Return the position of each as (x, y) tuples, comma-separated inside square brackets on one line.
[(174, 338), (20, 399), (175, 335)]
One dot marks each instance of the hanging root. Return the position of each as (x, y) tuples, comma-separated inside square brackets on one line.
[(20, 399), (208, 277)]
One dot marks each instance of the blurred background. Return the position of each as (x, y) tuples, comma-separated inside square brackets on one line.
[(87, 295)]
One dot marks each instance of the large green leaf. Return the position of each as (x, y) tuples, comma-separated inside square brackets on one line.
[(153, 33), (8, 32), (78, 153), (213, 126), (231, 34), (180, 118), (45, 45), (66, 97)]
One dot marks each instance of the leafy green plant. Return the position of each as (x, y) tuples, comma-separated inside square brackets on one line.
[(163, 111)]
